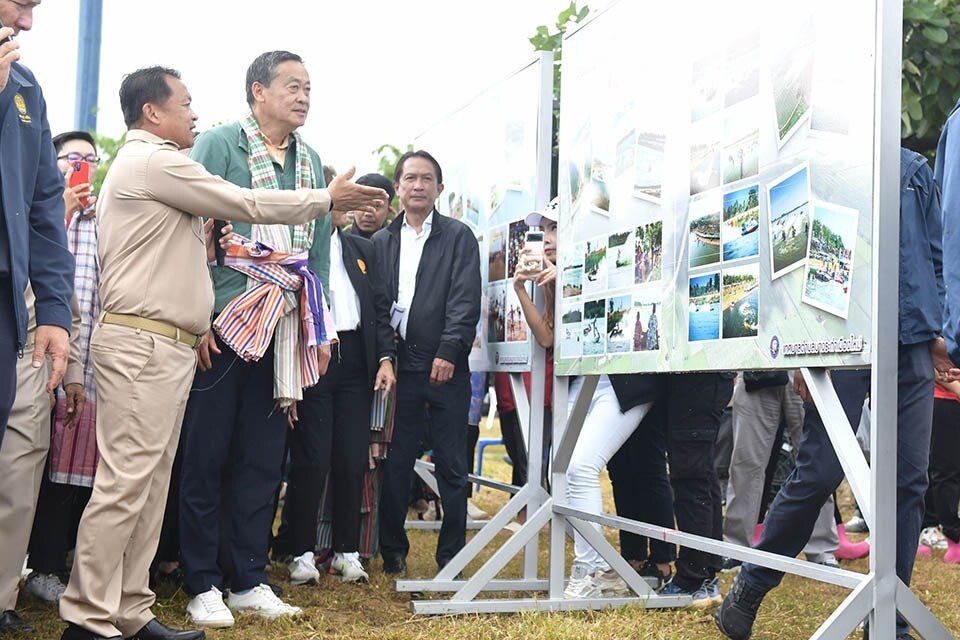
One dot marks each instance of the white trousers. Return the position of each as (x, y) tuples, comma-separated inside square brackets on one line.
[(605, 429)]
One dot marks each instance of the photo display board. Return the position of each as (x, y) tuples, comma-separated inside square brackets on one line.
[(488, 153), (716, 185)]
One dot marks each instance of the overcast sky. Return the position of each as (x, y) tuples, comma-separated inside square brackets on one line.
[(381, 70)]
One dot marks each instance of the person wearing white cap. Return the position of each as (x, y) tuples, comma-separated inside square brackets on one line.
[(538, 267)]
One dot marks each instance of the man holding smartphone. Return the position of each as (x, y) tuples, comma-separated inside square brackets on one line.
[(33, 243), (76, 154)]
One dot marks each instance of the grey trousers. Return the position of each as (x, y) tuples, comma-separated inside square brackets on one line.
[(756, 418)]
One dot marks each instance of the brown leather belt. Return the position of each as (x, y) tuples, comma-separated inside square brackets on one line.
[(153, 326)]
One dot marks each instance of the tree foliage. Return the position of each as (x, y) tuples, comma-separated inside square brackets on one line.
[(546, 39), (107, 148), (931, 70), (387, 157)]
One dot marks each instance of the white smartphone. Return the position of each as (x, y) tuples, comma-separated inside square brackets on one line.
[(533, 243)]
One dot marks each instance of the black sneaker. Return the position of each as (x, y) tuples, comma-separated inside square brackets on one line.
[(651, 574), (737, 612), (730, 565), (11, 622), (394, 565), (900, 636)]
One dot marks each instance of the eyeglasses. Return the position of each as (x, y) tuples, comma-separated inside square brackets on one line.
[(76, 157)]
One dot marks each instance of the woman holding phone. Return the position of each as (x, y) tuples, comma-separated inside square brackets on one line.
[(535, 264)]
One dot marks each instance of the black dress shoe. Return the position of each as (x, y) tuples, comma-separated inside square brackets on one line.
[(155, 630), (394, 565), (74, 632), (11, 622)]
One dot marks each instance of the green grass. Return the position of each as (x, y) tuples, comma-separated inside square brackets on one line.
[(376, 610)]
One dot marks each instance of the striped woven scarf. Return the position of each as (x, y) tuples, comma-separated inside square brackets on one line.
[(287, 239), (249, 321), (73, 454)]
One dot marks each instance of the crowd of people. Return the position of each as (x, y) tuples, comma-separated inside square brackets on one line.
[(228, 331)]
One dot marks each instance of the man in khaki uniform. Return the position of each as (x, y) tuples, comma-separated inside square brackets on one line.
[(157, 300), (23, 455)]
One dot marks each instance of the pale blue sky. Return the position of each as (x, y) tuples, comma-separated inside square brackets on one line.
[(382, 71)]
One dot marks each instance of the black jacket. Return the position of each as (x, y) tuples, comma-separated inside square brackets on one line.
[(360, 261), (634, 389), (442, 319)]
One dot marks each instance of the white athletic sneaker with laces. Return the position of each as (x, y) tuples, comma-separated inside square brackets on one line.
[(932, 537), (348, 566), (46, 586), (581, 584), (262, 601), (303, 569), (208, 610)]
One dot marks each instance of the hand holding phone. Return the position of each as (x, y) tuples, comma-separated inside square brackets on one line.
[(10, 54), (532, 258), (6, 39), (80, 175), (219, 251)]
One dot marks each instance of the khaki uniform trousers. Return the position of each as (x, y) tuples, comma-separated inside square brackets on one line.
[(22, 459), (143, 381), (756, 418)]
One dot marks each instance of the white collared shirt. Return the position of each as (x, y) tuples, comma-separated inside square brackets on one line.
[(344, 303), (411, 250)]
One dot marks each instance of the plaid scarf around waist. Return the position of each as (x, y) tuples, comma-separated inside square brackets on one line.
[(284, 285), (291, 371)]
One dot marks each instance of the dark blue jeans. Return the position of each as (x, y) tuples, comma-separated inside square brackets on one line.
[(232, 452), (448, 407), (818, 473)]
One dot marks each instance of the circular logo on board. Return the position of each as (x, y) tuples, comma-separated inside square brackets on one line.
[(774, 347)]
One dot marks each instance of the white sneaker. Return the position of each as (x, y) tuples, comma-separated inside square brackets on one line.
[(476, 513), (932, 537), (349, 567), (208, 610), (581, 584), (303, 569), (610, 583), (262, 601), (46, 586)]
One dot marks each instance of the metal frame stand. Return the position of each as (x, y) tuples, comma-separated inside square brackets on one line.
[(877, 595)]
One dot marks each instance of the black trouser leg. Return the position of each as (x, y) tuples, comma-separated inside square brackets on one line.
[(59, 507), (945, 465), (641, 488), (513, 443), (695, 402)]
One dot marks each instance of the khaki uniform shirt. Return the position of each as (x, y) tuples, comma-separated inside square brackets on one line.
[(153, 261)]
